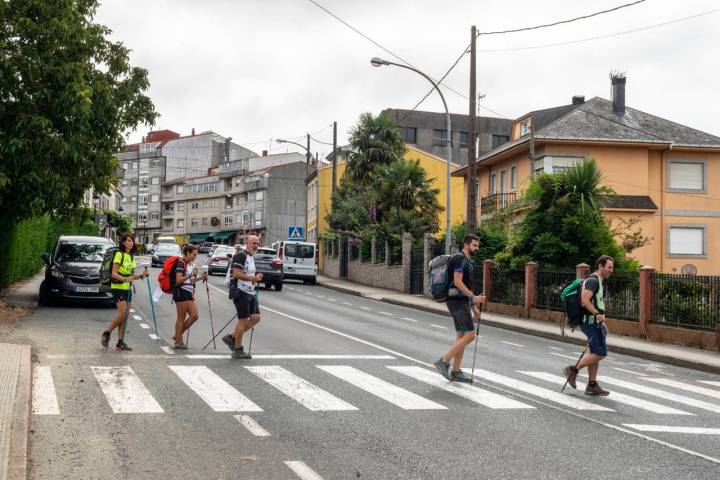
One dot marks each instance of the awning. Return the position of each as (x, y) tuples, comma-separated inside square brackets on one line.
[(199, 237), (222, 235)]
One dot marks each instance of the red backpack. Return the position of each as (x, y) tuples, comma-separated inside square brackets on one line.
[(166, 277)]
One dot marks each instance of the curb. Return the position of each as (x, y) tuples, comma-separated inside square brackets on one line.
[(17, 466), (656, 357)]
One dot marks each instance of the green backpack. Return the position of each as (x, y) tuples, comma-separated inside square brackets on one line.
[(572, 302)]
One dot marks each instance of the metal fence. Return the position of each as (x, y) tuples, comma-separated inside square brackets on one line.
[(477, 277), (623, 296), (354, 250), (688, 301), (394, 252), (379, 251), (508, 286), (366, 250), (548, 285)]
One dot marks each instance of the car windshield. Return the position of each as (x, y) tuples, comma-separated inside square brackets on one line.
[(168, 249), (265, 251), (224, 251), (81, 252), (299, 251)]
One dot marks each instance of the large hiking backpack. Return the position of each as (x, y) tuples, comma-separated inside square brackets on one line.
[(571, 296), (106, 266), (166, 277), (438, 278)]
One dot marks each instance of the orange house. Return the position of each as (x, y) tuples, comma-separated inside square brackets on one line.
[(665, 174)]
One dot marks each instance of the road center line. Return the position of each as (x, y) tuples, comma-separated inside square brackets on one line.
[(409, 319), (438, 326), (386, 313), (513, 344), (673, 429)]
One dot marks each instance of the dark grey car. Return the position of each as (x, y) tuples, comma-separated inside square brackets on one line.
[(269, 264)]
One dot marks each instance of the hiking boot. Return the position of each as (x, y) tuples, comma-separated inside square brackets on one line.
[(443, 368), (229, 341), (594, 389), (105, 339), (122, 347), (570, 373), (460, 376), (240, 354)]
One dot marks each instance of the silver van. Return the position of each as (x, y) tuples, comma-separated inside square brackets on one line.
[(299, 260)]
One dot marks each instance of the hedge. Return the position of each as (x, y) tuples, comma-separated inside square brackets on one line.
[(28, 239)]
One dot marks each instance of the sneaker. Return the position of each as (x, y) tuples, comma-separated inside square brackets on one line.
[(239, 353), (570, 373), (595, 389), (442, 367), (229, 341), (105, 339), (122, 347), (460, 376)]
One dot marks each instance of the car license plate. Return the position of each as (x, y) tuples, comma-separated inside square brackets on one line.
[(87, 289)]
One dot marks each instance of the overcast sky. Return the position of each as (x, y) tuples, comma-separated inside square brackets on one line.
[(257, 70)]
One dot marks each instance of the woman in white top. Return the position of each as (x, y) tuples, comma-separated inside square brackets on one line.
[(184, 294)]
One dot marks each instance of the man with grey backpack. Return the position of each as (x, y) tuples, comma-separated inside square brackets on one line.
[(463, 305)]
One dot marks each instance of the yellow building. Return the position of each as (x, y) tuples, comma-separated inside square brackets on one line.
[(319, 190), (665, 174)]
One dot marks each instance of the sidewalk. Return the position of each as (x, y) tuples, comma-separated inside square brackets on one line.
[(660, 352)]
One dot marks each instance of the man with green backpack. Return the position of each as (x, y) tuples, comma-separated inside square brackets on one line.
[(592, 324)]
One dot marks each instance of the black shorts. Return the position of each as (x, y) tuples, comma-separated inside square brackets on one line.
[(121, 295), (461, 312), (182, 295), (246, 304)]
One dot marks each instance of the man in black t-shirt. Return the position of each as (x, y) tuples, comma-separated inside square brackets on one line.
[(463, 306)]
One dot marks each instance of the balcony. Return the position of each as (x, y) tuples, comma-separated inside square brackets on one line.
[(234, 168), (490, 205)]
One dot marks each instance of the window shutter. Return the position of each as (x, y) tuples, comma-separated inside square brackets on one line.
[(687, 176), (686, 241)]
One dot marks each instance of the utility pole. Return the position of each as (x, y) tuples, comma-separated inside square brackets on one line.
[(471, 218), (307, 174), (334, 161)]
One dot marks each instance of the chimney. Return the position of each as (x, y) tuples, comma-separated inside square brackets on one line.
[(264, 153), (617, 80), (578, 99), (193, 132)]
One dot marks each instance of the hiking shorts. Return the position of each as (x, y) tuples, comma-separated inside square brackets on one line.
[(182, 295), (121, 295), (596, 334), (246, 304), (461, 312)]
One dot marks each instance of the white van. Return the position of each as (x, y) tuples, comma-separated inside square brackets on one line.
[(299, 260)]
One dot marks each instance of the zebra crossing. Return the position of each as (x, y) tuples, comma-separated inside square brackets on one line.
[(125, 392)]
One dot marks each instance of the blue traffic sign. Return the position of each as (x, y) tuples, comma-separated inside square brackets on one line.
[(295, 233)]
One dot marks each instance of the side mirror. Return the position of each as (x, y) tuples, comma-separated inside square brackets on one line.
[(46, 258)]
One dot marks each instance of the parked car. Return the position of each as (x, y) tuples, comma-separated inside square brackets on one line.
[(166, 240), (212, 249), (164, 251), (72, 271), (269, 264), (220, 259), (299, 260), (204, 247)]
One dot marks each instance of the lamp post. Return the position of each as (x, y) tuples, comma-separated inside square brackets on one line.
[(379, 62), (307, 170)]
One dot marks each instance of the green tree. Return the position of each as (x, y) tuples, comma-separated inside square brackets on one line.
[(67, 96), (373, 141)]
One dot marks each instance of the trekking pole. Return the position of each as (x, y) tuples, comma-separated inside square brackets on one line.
[(187, 338), (212, 324), (152, 304), (578, 362), (477, 334), (127, 314), (257, 302), (219, 332)]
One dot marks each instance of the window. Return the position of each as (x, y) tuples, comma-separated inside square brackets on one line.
[(143, 199), (194, 205), (245, 218), (181, 207), (498, 140), (439, 137), (258, 217), (142, 217), (493, 184), (228, 220), (154, 215), (181, 223), (155, 162), (513, 179), (686, 240), (409, 134), (133, 181), (503, 180), (155, 180), (259, 195), (206, 203), (144, 182), (464, 139), (124, 200), (194, 222), (128, 165), (155, 198), (124, 182), (180, 189), (555, 164), (204, 221), (147, 147), (525, 127), (133, 199), (686, 176)]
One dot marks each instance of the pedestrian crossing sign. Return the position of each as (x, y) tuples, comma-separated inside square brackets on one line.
[(295, 233)]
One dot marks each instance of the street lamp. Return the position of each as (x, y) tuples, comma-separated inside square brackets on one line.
[(379, 62)]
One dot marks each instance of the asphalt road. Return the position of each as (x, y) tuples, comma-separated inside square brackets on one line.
[(343, 387)]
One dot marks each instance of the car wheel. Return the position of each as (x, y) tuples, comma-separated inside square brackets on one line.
[(313, 281), (43, 298), (278, 286), (268, 285)]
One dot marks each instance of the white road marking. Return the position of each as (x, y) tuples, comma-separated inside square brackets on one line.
[(124, 391), (673, 429), (297, 357), (656, 392), (252, 426), (595, 421), (347, 303), (386, 313), (138, 318), (513, 344), (320, 296), (409, 319), (387, 391), (628, 371), (615, 396), (563, 355), (305, 393), (331, 299), (132, 310), (365, 308), (167, 350), (710, 382), (302, 470), (530, 389), (153, 336), (685, 386), (145, 326), (216, 392), (558, 349), (438, 326), (470, 392), (44, 398)]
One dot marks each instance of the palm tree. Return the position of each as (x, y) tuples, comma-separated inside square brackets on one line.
[(581, 184), (373, 141)]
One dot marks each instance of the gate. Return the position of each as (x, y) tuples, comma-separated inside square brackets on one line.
[(343, 257), (417, 269)]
